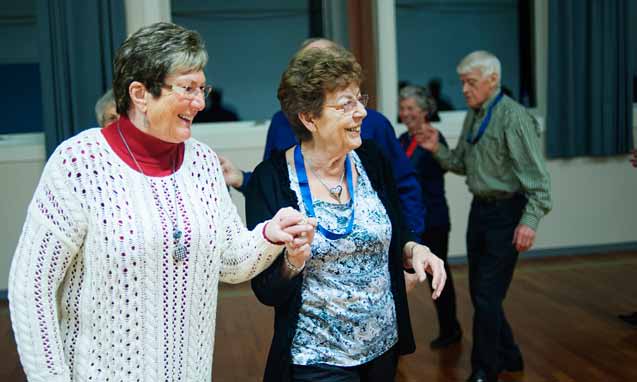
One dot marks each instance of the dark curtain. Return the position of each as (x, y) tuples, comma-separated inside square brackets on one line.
[(589, 87), (526, 39), (77, 41)]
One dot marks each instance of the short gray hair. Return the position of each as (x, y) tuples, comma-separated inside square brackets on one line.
[(102, 104), (421, 95), (482, 60), (152, 53)]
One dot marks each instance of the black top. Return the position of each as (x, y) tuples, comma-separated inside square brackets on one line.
[(431, 177), (268, 191)]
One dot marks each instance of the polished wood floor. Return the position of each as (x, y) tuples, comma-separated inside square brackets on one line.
[(563, 312)]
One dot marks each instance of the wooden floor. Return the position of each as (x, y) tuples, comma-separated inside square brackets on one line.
[(563, 312)]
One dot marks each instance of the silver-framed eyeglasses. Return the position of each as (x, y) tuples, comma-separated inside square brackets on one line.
[(351, 104), (190, 92)]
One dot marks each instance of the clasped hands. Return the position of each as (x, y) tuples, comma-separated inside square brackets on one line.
[(290, 227), (419, 258)]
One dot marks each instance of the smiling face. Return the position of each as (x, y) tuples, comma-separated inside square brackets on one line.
[(412, 115), (476, 88), (338, 130), (169, 117)]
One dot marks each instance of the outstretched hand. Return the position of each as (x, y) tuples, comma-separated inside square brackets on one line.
[(427, 137), (423, 261)]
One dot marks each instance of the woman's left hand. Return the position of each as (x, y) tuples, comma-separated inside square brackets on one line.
[(424, 261), (288, 224)]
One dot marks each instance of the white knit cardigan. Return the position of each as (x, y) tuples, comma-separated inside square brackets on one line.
[(95, 294)]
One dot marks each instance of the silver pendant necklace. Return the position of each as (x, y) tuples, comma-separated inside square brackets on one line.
[(181, 252), (336, 191)]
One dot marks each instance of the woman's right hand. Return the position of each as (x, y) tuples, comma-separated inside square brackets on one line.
[(298, 251)]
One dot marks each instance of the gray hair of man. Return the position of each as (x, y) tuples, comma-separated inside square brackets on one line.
[(153, 53), (102, 104), (421, 95), (487, 63)]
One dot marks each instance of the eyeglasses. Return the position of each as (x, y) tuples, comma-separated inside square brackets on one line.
[(351, 104), (190, 92)]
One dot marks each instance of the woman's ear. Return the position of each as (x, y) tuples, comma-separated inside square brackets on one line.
[(308, 121), (138, 93)]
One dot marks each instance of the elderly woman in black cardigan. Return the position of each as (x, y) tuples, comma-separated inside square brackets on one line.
[(340, 313)]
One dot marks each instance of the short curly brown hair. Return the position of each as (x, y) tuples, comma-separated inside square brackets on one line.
[(310, 75)]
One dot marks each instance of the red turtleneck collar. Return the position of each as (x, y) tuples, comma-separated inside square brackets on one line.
[(155, 156)]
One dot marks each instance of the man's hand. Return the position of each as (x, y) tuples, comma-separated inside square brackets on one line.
[(427, 137), (231, 174), (523, 238), (633, 158)]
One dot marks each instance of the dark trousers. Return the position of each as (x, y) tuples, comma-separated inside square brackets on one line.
[(492, 258), (437, 239), (380, 369)]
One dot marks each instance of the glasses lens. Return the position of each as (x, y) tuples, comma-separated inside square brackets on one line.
[(352, 104), (349, 106)]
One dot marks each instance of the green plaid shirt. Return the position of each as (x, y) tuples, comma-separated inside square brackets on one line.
[(506, 159)]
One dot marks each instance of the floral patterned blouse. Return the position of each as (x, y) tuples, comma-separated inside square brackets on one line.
[(347, 316)]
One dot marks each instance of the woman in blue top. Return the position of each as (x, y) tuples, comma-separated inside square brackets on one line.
[(416, 107), (341, 314)]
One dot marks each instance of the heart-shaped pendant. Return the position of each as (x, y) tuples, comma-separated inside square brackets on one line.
[(336, 192)]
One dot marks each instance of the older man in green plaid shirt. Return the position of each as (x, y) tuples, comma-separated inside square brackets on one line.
[(499, 152)]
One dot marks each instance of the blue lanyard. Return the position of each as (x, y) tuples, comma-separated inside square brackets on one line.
[(485, 121), (304, 185)]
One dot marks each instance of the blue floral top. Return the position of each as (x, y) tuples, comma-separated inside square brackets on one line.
[(347, 316)]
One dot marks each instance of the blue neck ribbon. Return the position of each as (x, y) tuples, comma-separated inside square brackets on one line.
[(485, 122), (304, 185)]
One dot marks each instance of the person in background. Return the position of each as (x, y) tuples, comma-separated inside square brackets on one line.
[(499, 152), (105, 109), (415, 108), (341, 314), (375, 127), (130, 230)]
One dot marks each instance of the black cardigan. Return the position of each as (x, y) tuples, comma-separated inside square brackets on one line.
[(267, 192)]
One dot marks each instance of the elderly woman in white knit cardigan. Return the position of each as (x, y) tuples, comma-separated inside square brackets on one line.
[(130, 230)]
